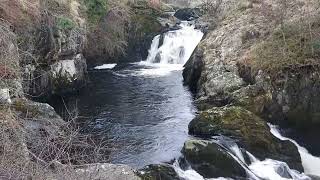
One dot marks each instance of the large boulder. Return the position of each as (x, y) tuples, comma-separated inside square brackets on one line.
[(211, 160), (158, 172), (40, 121), (64, 76), (250, 132), (69, 75)]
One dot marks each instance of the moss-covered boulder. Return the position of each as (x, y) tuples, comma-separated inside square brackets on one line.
[(250, 132), (211, 160), (254, 99), (158, 172)]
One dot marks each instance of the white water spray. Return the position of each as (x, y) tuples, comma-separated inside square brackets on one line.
[(171, 55), (177, 46), (310, 163)]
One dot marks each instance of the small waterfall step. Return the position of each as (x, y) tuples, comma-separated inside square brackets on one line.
[(177, 46)]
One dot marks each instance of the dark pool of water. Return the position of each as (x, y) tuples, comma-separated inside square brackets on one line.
[(144, 116)]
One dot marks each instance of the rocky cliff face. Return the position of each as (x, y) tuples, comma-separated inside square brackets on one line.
[(33, 136), (221, 76), (50, 33), (220, 61), (125, 33), (57, 39)]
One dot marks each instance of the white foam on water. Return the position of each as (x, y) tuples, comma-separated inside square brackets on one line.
[(268, 169), (191, 174), (175, 51), (271, 169), (156, 69), (310, 163), (237, 152), (105, 66), (153, 49)]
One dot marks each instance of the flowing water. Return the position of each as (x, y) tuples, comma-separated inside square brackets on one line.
[(143, 111)]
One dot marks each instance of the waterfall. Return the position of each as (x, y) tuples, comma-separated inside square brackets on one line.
[(310, 163), (177, 46), (169, 52), (267, 169)]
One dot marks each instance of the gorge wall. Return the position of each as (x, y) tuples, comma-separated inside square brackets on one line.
[(45, 50), (244, 63)]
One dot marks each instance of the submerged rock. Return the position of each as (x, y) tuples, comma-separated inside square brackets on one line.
[(211, 160), (158, 172), (249, 130)]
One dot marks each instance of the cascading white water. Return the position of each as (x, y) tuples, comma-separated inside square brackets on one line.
[(176, 49), (310, 163), (177, 46), (267, 169)]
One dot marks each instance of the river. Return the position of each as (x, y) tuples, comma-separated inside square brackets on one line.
[(142, 110)]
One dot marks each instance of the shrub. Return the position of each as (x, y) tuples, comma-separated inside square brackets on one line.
[(292, 45), (65, 23), (96, 9)]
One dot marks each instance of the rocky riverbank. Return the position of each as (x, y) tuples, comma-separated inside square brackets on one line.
[(45, 50), (236, 95), (256, 64)]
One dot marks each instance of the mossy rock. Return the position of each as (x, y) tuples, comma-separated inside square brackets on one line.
[(211, 160), (32, 110), (146, 21), (25, 109), (158, 172), (250, 132), (254, 99)]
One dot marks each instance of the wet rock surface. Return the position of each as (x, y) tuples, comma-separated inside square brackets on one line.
[(158, 172), (224, 83), (188, 14), (211, 160), (249, 131)]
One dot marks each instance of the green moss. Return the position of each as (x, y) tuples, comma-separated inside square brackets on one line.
[(61, 81), (255, 103), (65, 23), (146, 24), (96, 9), (145, 18), (235, 122), (21, 106)]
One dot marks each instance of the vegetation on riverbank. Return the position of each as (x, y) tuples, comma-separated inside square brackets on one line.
[(41, 53), (292, 45)]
